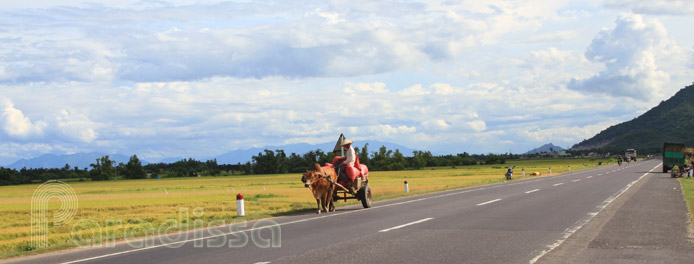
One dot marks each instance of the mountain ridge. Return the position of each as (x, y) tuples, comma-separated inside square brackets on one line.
[(672, 120), (548, 148), (80, 160), (83, 160)]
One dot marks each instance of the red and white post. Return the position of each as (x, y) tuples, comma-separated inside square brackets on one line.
[(407, 189), (239, 205)]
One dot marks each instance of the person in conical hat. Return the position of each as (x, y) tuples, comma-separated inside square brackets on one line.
[(347, 161), (350, 156)]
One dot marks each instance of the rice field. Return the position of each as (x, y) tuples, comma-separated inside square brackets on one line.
[(133, 208)]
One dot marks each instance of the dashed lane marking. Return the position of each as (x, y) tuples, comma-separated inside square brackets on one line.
[(488, 202), (408, 224)]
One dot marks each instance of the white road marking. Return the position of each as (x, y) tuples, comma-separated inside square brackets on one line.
[(576, 180), (488, 202), (600, 174), (557, 184), (589, 177), (578, 225), (408, 224), (532, 191), (266, 262)]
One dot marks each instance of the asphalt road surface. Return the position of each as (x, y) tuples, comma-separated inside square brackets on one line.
[(515, 222)]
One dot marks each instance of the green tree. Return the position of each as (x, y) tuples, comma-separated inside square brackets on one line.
[(269, 162), (417, 161), (494, 159), (397, 162), (134, 169), (364, 155), (102, 170)]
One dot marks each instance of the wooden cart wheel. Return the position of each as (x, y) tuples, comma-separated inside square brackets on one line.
[(365, 196)]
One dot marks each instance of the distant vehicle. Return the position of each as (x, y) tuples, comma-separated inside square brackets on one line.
[(673, 156), (630, 155)]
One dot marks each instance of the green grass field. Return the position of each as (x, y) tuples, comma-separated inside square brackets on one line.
[(688, 192), (132, 208)]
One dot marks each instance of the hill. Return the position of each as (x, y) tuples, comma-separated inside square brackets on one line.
[(671, 121), (81, 160), (545, 148)]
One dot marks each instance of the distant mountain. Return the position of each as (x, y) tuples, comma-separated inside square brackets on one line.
[(671, 121), (81, 160), (545, 148), (246, 155), (171, 160)]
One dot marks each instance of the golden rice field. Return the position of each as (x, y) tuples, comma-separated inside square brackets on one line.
[(140, 207)]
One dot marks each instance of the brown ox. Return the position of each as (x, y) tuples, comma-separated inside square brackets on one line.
[(317, 181)]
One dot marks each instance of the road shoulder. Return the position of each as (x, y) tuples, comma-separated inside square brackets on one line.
[(647, 224)]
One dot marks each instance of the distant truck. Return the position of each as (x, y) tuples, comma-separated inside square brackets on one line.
[(673, 156), (630, 155)]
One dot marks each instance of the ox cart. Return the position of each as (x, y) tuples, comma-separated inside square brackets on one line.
[(327, 186), (357, 179)]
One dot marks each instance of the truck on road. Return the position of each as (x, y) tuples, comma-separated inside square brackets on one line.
[(672, 155), (630, 155)]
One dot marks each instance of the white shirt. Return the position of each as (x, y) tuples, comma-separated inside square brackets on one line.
[(350, 157)]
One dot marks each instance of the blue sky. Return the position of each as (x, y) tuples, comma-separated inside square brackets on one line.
[(199, 78)]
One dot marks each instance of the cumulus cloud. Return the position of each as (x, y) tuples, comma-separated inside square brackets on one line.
[(76, 126), (376, 87), (184, 42), (415, 90), (654, 7), (632, 54), (15, 124)]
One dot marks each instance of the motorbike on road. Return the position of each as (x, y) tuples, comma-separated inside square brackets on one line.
[(509, 173)]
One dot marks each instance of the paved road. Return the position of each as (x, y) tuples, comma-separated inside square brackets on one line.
[(647, 224), (514, 222)]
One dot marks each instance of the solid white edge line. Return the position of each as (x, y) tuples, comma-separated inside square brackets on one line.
[(580, 223), (488, 202), (404, 225), (532, 191)]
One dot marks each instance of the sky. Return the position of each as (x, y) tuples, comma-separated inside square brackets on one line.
[(202, 77)]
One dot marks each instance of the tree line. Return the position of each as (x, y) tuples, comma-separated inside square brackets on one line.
[(266, 162)]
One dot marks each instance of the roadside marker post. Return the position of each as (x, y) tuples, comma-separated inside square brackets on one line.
[(523, 171), (550, 170), (239, 205), (407, 189)]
